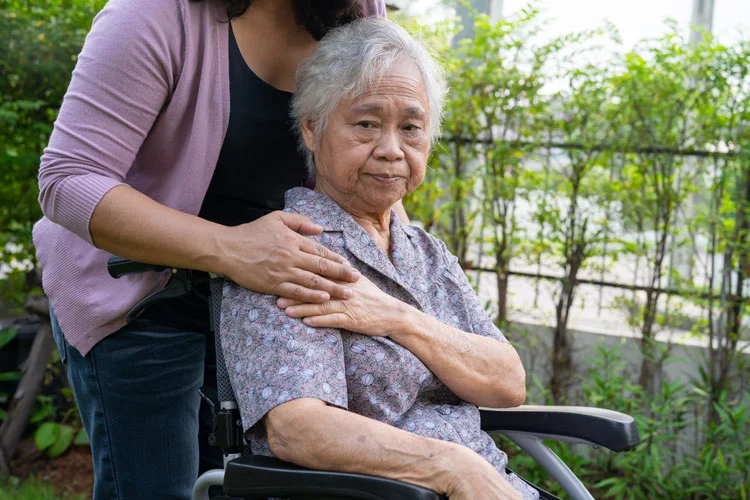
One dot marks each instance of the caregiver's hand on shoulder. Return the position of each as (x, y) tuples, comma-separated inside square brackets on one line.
[(272, 255), (370, 311)]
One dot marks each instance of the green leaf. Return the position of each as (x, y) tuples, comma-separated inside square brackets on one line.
[(8, 376), (82, 438), (63, 442), (40, 414), (6, 336), (46, 435)]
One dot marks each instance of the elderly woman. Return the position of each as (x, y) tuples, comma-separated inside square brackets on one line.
[(411, 353)]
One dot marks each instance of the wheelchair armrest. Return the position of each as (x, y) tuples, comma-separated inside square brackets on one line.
[(271, 477), (118, 266), (611, 429)]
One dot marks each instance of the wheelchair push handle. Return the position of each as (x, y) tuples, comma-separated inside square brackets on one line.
[(181, 282), (118, 266)]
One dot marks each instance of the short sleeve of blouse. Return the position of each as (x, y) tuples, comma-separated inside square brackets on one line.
[(479, 321), (272, 359)]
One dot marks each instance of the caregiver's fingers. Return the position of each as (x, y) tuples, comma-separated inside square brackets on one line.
[(324, 262), (284, 302), (335, 320), (318, 273), (299, 223), (299, 293), (313, 281), (304, 310)]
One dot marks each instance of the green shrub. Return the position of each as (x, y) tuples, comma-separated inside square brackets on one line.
[(39, 44), (681, 455), (32, 489)]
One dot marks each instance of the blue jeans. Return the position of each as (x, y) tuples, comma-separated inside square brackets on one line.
[(137, 392)]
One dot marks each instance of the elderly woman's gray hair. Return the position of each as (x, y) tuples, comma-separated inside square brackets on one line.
[(351, 59)]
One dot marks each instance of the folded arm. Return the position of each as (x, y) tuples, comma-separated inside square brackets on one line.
[(479, 370)]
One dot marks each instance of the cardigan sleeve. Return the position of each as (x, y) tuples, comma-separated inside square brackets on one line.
[(124, 75), (374, 8)]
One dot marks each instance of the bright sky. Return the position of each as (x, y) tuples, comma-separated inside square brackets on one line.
[(635, 19)]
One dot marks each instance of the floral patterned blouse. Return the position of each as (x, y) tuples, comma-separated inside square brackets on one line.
[(272, 358)]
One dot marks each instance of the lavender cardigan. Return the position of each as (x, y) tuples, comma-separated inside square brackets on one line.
[(147, 106)]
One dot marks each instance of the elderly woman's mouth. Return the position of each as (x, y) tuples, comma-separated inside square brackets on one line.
[(385, 179)]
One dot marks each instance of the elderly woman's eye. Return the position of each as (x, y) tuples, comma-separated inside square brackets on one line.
[(366, 124), (411, 127)]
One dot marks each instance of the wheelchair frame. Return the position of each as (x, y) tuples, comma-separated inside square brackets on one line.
[(254, 477)]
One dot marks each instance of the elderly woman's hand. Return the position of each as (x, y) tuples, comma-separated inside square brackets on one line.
[(370, 311), (473, 477)]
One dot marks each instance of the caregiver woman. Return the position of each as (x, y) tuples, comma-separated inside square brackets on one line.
[(173, 146)]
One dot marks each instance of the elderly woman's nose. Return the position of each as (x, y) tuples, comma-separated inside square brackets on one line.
[(389, 146)]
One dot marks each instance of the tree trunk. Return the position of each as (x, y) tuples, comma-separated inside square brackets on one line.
[(458, 219), (501, 268), (502, 297), (575, 254), (649, 366), (652, 361), (562, 349), (562, 352), (723, 355), (32, 375), (562, 363)]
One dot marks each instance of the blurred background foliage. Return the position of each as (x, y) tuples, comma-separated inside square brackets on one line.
[(39, 44), (553, 159), (565, 163)]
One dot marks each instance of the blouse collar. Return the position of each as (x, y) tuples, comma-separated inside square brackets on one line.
[(332, 217)]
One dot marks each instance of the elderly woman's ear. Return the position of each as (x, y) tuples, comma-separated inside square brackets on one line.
[(308, 134)]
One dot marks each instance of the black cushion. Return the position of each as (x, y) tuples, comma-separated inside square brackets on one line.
[(255, 476), (611, 429)]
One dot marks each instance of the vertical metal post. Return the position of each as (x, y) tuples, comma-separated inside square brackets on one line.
[(703, 16), (493, 8), (496, 10)]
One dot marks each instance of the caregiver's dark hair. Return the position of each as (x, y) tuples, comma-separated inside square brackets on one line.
[(317, 16)]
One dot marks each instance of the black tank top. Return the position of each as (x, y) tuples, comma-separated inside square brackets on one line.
[(259, 161)]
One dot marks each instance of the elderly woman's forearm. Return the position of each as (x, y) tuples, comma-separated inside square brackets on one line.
[(478, 369), (311, 434)]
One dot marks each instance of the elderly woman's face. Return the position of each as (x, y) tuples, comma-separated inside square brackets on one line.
[(374, 149)]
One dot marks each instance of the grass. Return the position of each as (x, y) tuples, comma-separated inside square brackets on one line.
[(32, 489)]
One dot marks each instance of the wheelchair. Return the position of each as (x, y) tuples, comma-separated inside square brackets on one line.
[(245, 476)]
